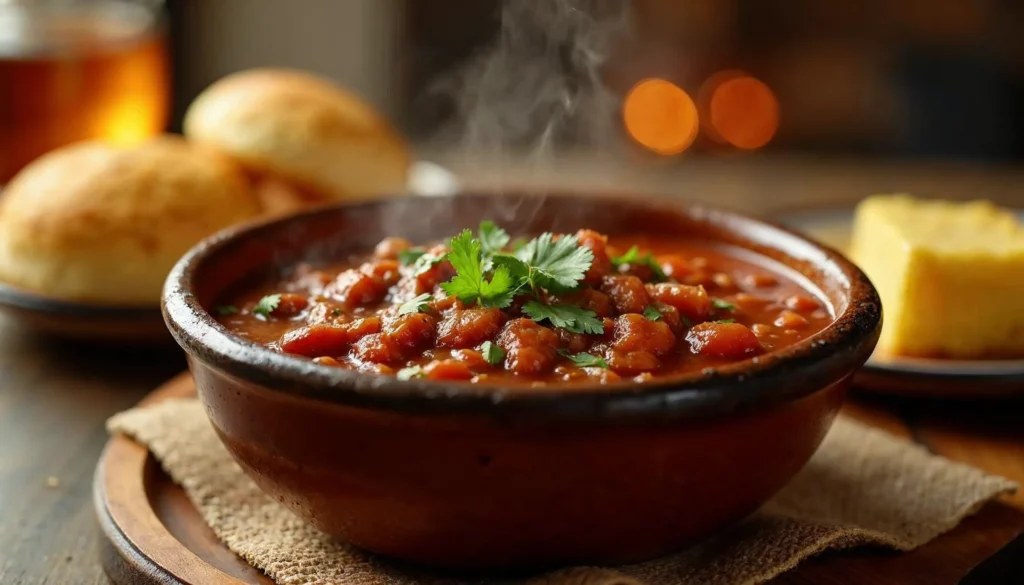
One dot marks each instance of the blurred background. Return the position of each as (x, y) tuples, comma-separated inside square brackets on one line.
[(895, 79)]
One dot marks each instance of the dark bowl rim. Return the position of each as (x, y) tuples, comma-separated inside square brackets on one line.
[(16, 297), (784, 375)]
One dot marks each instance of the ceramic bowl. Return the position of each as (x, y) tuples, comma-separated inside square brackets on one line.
[(472, 477)]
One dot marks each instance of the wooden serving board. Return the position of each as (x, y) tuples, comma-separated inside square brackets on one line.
[(153, 535)]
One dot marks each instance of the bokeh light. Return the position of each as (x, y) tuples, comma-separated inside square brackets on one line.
[(739, 110), (660, 116)]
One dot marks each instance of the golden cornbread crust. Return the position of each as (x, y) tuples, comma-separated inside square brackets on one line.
[(951, 276), (303, 129), (101, 224)]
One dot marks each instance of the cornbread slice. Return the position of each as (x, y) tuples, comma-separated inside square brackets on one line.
[(951, 275)]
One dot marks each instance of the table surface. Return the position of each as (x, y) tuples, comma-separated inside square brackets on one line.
[(55, 396)]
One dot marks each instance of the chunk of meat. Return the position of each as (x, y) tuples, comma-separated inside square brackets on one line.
[(573, 342), (602, 264), (530, 348), (632, 362), (378, 348), (591, 300), (692, 302), (468, 327), (447, 370), (412, 330), (356, 287), (386, 271), (627, 292), (289, 305), (723, 340), (671, 317), (590, 374), (635, 332), (326, 339), (389, 248)]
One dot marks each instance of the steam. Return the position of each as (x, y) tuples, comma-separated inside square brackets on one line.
[(537, 88), (539, 85)]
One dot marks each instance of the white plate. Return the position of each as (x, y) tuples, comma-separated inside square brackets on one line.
[(902, 375)]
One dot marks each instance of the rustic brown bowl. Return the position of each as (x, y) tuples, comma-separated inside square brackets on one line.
[(476, 477)]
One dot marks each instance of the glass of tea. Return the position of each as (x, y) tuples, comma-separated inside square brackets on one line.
[(72, 70)]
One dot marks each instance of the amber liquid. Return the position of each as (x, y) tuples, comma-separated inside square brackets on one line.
[(71, 77)]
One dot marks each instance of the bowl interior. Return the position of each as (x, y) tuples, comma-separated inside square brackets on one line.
[(224, 261)]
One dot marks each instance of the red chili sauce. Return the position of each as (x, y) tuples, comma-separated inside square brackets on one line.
[(642, 307)]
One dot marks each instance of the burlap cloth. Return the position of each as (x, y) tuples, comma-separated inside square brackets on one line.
[(861, 487)]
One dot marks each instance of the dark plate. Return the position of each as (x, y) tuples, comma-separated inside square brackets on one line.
[(67, 319), (903, 375)]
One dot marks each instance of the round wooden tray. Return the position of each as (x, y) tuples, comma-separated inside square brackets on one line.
[(152, 532)]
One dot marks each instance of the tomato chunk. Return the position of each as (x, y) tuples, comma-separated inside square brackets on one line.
[(692, 302), (325, 339), (635, 332), (627, 292), (447, 370), (724, 340), (602, 264), (289, 305), (530, 348), (468, 327), (412, 330), (389, 248)]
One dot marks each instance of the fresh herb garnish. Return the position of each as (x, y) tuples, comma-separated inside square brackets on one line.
[(652, 313), (410, 373), (425, 262), (723, 305), (416, 305), (633, 256), (493, 239), (585, 360), (410, 256), (723, 321), (266, 305), (555, 265), (546, 263), (493, 353), (225, 310), (568, 317), (518, 243), (470, 285)]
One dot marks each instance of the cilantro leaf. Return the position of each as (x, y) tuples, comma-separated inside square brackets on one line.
[(410, 256), (726, 321), (569, 317), (225, 310), (633, 256), (469, 283), (723, 305), (493, 353), (556, 265), (415, 305), (266, 305), (585, 360), (518, 243), (652, 313), (492, 238), (425, 262), (410, 373)]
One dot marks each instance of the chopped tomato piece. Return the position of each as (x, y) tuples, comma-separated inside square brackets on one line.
[(635, 332), (468, 327), (602, 264), (692, 302), (627, 292), (447, 370), (724, 340)]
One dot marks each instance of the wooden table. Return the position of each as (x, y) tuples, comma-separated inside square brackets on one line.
[(55, 397)]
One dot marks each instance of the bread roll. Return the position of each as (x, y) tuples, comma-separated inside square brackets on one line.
[(101, 224), (302, 129)]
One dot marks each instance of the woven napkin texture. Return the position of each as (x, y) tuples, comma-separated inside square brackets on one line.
[(861, 487)]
